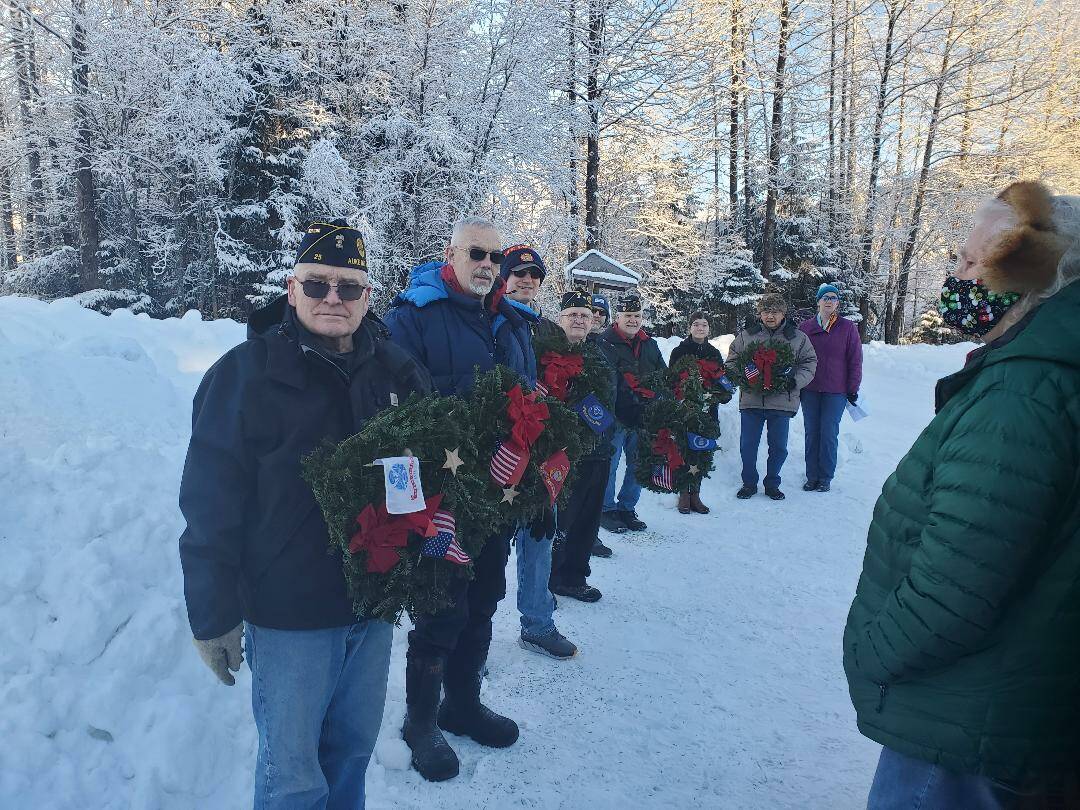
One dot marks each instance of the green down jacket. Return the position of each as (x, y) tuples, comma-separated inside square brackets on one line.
[(962, 646)]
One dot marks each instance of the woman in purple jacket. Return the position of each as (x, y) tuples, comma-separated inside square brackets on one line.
[(839, 373)]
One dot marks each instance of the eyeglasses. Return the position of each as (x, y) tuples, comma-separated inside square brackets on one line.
[(478, 254), (577, 318), (346, 290), (531, 272), (830, 297)]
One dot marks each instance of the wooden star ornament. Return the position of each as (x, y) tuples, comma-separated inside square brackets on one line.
[(694, 469), (509, 493), (453, 460)]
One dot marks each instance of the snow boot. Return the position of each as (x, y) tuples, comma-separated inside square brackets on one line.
[(775, 494), (824, 486), (432, 755), (612, 521), (810, 486), (632, 521), (600, 550), (696, 504), (747, 491), (583, 593), (462, 712), (553, 645), (684, 503)]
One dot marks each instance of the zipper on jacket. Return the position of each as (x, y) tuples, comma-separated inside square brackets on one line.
[(881, 697)]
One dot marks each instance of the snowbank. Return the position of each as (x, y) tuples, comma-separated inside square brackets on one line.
[(709, 674)]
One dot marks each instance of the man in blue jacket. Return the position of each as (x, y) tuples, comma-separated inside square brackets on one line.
[(256, 554), (455, 318)]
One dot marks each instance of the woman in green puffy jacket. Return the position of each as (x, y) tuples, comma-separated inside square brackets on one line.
[(962, 646)]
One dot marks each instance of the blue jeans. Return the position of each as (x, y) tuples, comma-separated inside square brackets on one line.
[(534, 600), (317, 697), (821, 420), (753, 421), (905, 783), (625, 441)]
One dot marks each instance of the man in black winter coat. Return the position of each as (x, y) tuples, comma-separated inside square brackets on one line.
[(634, 354), (256, 552)]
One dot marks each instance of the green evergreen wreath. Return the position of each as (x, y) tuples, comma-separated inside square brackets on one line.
[(665, 413), (692, 387), (491, 425), (438, 431), (594, 378), (784, 359)]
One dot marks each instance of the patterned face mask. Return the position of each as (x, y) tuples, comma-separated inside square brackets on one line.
[(971, 308)]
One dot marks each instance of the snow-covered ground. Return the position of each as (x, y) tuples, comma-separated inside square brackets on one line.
[(709, 675)]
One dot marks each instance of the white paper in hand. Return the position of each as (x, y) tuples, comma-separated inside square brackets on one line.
[(856, 412), (404, 490)]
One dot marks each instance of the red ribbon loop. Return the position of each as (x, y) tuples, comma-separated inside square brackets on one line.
[(559, 370), (637, 387), (664, 445), (381, 535), (527, 417), (764, 360), (711, 371)]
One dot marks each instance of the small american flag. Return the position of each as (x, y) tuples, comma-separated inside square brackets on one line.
[(751, 372), (444, 544), (508, 463), (661, 477), (541, 389)]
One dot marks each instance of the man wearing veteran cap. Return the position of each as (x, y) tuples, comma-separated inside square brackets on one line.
[(316, 366), (455, 318), (634, 354), (581, 521), (524, 271)]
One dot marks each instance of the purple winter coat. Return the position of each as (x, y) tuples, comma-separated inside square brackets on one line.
[(839, 353)]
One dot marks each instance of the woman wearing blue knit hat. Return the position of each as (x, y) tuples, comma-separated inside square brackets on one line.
[(836, 382)]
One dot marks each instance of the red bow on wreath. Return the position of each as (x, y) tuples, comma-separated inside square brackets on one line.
[(764, 359), (526, 415), (664, 445), (637, 387), (711, 371), (683, 377), (382, 534), (559, 369)]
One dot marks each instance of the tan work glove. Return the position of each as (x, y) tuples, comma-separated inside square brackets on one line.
[(223, 653)]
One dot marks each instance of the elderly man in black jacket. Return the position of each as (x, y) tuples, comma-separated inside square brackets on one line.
[(256, 554), (634, 354)]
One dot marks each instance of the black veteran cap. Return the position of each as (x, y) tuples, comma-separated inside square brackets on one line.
[(576, 298), (333, 243), (631, 302)]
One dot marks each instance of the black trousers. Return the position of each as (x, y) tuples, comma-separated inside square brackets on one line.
[(581, 522), (463, 630)]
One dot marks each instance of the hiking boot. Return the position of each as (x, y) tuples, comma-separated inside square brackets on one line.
[(775, 494), (583, 593), (553, 645), (600, 550), (823, 486), (697, 505), (613, 522), (632, 521), (747, 491), (462, 712), (432, 755), (684, 503), (810, 486)]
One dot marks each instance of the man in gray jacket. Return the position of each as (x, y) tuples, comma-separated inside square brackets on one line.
[(773, 409)]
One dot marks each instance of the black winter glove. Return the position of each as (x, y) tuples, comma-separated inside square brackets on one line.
[(544, 526), (853, 398)]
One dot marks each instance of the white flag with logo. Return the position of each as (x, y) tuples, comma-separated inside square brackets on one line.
[(404, 490)]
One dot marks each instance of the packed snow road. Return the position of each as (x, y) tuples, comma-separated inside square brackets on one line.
[(709, 674)]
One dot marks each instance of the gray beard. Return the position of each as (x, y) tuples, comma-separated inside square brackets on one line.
[(481, 288)]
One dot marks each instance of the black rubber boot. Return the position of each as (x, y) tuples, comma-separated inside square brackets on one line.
[(432, 755), (462, 712)]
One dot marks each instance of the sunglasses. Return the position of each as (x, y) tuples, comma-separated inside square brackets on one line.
[(346, 291), (478, 254), (531, 272)]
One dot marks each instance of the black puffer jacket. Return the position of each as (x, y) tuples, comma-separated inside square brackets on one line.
[(640, 355), (256, 545)]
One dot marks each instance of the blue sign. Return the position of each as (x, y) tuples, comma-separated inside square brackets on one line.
[(595, 415), (700, 443)]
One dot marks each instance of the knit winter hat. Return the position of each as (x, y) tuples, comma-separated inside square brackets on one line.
[(827, 288), (601, 303)]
